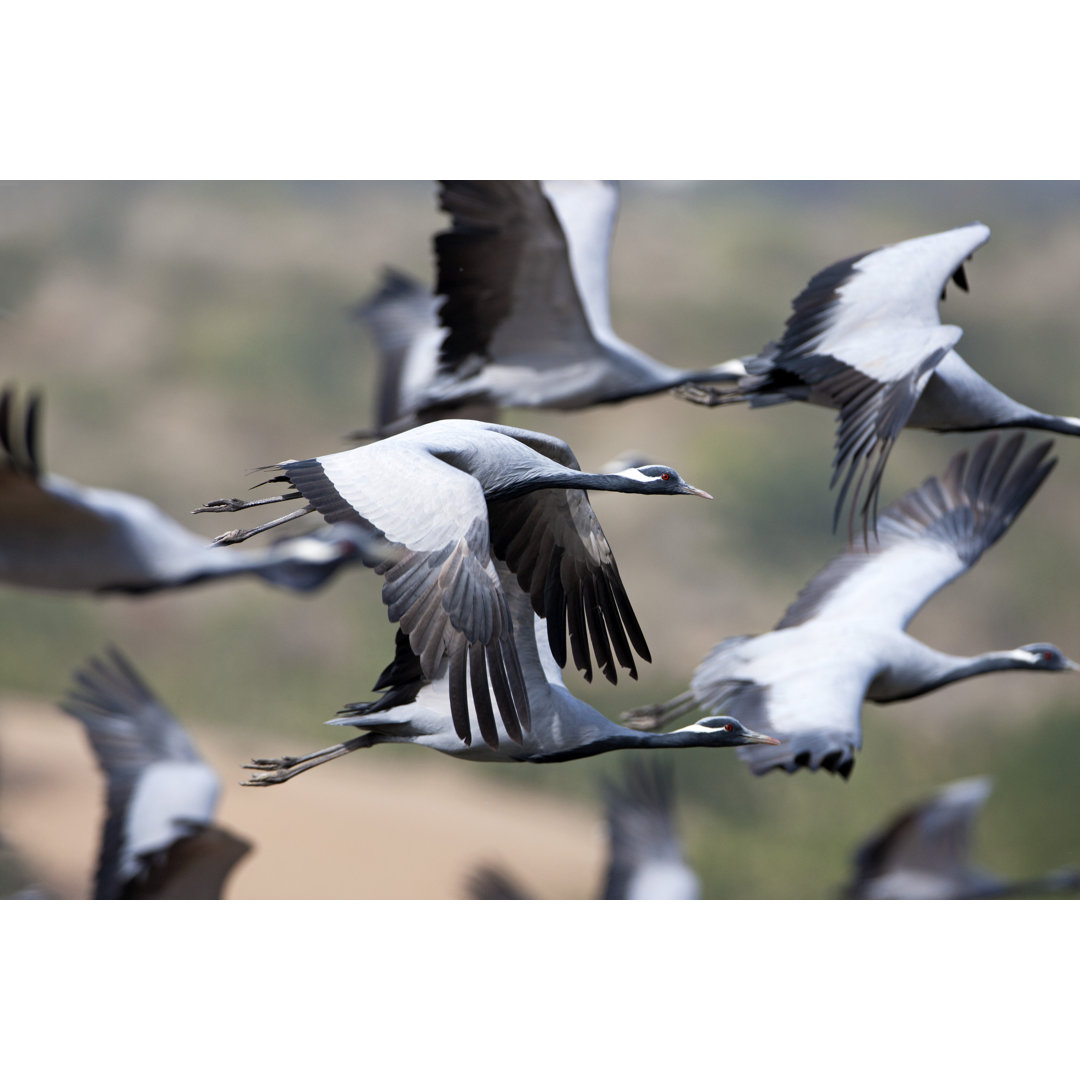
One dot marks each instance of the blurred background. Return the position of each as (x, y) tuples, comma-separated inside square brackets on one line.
[(184, 334)]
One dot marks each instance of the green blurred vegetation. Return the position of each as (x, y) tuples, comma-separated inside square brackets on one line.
[(187, 333)]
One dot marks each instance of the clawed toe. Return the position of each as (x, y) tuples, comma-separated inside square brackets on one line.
[(222, 506)]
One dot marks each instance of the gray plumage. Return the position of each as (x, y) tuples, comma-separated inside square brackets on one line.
[(524, 304), (925, 854), (866, 339), (158, 840), (402, 317), (57, 534), (417, 709), (843, 639), (451, 499)]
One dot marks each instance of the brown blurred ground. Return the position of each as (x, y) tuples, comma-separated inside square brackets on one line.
[(373, 829)]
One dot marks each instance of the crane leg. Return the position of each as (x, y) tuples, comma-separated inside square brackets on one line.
[(230, 506), (285, 768), (234, 536)]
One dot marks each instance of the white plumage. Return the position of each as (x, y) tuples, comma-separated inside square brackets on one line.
[(843, 639), (866, 339)]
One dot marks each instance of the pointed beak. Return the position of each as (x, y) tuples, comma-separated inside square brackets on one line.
[(1071, 665), (757, 737), (686, 489)]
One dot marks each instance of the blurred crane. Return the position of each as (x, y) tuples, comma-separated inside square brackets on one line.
[(843, 640), (924, 854), (402, 317), (524, 308), (56, 534), (159, 841), (866, 339)]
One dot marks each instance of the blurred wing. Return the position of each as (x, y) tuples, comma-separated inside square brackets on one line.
[(402, 319), (196, 867), (505, 270), (57, 534), (926, 538), (142, 750), (646, 860), (932, 838)]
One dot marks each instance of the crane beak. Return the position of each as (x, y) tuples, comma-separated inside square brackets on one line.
[(686, 489), (757, 737)]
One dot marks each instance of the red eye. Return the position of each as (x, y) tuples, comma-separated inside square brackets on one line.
[(665, 476), (729, 727)]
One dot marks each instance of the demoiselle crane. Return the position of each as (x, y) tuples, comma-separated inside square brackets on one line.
[(417, 709), (843, 639), (524, 304), (924, 854), (451, 499), (866, 339), (56, 534), (159, 841), (645, 858)]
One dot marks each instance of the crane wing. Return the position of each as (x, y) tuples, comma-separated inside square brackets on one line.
[(508, 277), (401, 316), (931, 838), (926, 538), (157, 784), (775, 685), (864, 338), (440, 582)]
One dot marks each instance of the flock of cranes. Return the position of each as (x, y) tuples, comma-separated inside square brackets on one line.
[(495, 569)]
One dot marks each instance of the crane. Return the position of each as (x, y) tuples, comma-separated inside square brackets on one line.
[(866, 339), (924, 854), (843, 639), (415, 708), (452, 497), (57, 534)]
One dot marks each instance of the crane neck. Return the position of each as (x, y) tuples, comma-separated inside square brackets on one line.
[(628, 739), (510, 486), (940, 669), (1064, 425)]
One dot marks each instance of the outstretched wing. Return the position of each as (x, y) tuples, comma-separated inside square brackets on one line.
[(552, 541), (927, 537), (516, 284), (158, 785), (440, 583), (864, 338)]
